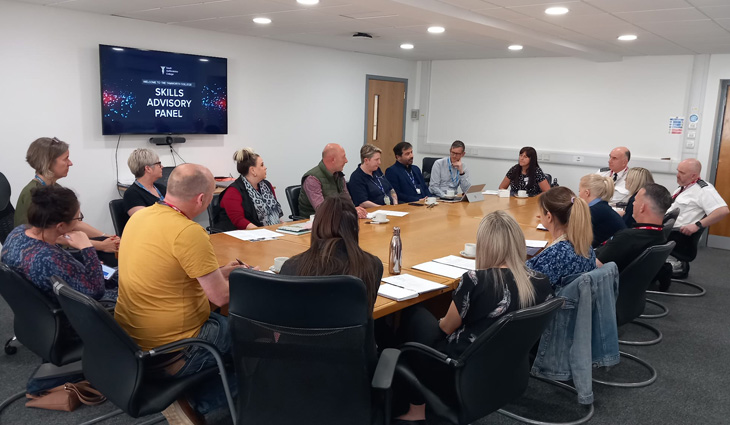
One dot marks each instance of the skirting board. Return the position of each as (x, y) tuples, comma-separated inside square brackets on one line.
[(721, 242)]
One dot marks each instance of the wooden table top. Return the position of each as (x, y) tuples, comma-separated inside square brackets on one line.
[(426, 233)]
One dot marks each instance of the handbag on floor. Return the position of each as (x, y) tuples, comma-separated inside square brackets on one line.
[(66, 397)]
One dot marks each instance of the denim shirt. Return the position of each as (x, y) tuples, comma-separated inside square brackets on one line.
[(583, 333)]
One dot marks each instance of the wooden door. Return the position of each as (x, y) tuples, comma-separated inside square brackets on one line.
[(386, 103), (722, 178)]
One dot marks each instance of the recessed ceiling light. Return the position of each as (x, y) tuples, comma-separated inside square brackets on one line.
[(556, 10), (308, 2), (627, 37), (406, 46), (436, 30), (262, 20), (515, 47)]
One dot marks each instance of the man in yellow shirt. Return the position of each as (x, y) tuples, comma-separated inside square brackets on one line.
[(168, 273)]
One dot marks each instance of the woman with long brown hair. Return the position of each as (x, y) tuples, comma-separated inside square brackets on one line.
[(568, 219), (334, 248)]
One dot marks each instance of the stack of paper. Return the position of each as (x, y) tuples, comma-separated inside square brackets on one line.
[(490, 192), (534, 246), (406, 286), (254, 235), (440, 269), (393, 213), (462, 263), (296, 229)]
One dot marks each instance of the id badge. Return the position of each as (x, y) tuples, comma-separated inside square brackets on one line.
[(418, 190), (386, 199), (527, 180)]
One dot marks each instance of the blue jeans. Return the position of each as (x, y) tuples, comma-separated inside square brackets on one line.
[(209, 395)]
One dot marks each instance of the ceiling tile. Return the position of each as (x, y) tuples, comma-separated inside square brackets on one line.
[(665, 15), (502, 13), (468, 4), (545, 3), (716, 12), (614, 6)]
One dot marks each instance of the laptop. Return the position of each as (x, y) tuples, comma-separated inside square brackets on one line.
[(474, 194)]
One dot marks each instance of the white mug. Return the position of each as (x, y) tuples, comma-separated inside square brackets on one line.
[(380, 217), (470, 249), (278, 262), (311, 217), (522, 193), (450, 192), (430, 200)]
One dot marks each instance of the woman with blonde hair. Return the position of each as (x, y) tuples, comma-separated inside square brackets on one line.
[(597, 191), (250, 201), (568, 219), (147, 168), (636, 178), (500, 284)]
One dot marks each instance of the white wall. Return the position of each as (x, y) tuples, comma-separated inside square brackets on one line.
[(566, 107), (285, 100)]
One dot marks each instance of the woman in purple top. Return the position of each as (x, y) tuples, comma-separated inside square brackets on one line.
[(32, 250)]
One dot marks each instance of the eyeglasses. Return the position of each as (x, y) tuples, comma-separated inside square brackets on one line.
[(156, 163), (80, 217)]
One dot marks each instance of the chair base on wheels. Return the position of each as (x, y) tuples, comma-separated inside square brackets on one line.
[(639, 384), (523, 419), (701, 290), (664, 309), (654, 341)]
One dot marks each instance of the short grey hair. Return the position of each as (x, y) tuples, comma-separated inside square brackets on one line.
[(368, 150), (189, 180), (140, 158), (43, 152)]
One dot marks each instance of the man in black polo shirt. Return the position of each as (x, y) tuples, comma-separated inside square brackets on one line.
[(652, 202)]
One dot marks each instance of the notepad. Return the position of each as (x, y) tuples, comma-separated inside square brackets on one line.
[(253, 235), (440, 269), (296, 229), (534, 246), (386, 212), (406, 286), (462, 263)]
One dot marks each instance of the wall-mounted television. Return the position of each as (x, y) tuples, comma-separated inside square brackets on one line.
[(153, 92)]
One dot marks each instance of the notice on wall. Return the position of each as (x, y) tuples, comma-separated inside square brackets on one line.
[(676, 125)]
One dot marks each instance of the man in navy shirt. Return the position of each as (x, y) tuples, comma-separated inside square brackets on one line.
[(405, 177)]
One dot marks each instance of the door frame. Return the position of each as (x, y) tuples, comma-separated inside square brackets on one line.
[(715, 241), (369, 77)]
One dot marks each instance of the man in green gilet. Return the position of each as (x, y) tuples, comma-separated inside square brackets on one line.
[(325, 180)]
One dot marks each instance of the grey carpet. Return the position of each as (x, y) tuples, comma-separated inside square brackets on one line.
[(693, 363)]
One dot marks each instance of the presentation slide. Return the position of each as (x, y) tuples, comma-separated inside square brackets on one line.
[(152, 92)]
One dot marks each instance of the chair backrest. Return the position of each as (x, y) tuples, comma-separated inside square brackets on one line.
[(5, 192), (7, 212), (636, 278), (119, 215), (39, 323), (214, 211), (671, 215), (162, 181), (292, 197), (667, 227), (307, 341), (426, 167), (110, 359), (686, 249), (496, 365)]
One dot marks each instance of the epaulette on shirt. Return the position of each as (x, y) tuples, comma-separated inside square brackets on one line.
[(604, 169), (702, 183)]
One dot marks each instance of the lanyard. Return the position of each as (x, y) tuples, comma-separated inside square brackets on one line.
[(174, 208), (40, 180), (674, 197), (659, 228), (376, 180), (455, 181), (413, 179), (159, 195)]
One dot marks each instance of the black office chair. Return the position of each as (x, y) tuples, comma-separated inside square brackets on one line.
[(119, 215), (7, 212), (214, 211), (117, 366), (41, 326), (491, 373), (162, 181), (551, 182), (426, 167), (686, 252), (633, 281), (307, 342), (292, 197)]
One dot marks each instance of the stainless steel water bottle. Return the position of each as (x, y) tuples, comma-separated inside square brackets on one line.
[(396, 252)]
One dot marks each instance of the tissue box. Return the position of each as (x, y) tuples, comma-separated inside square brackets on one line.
[(504, 193)]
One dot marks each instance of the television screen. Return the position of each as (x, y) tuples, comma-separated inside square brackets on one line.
[(152, 92)]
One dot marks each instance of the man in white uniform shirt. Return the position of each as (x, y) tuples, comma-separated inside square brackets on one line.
[(618, 167), (699, 205)]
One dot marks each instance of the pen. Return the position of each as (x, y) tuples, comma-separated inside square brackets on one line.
[(243, 264)]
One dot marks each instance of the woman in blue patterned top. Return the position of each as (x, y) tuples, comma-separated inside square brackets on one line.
[(568, 219), (501, 284), (32, 250)]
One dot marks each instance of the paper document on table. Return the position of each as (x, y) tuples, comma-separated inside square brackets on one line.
[(462, 263), (490, 192), (393, 213), (440, 269), (414, 283), (533, 246), (541, 227), (396, 292), (254, 235)]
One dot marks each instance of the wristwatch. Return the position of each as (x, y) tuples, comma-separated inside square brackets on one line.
[(699, 224)]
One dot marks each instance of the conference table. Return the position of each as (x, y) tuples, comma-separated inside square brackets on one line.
[(426, 234)]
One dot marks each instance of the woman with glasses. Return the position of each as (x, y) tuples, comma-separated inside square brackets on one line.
[(147, 168), (33, 249), (49, 157)]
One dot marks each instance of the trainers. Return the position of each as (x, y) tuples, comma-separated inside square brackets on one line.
[(181, 413)]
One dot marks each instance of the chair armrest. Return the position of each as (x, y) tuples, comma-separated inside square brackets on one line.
[(384, 371), (429, 352)]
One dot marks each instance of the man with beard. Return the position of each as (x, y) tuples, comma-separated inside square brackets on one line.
[(405, 177)]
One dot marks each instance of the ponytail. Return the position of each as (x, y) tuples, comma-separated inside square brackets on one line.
[(579, 228)]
